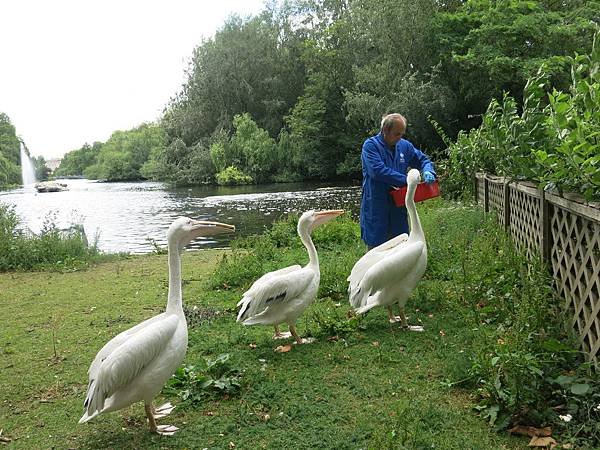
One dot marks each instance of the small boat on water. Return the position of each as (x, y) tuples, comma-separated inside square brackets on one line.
[(50, 186)]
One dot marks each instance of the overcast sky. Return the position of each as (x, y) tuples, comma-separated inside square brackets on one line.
[(74, 71)]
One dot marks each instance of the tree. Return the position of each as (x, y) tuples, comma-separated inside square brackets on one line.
[(41, 170), (250, 66), (125, 153), (488, 47), (257, 148), (75, 162), (396, 71), (10, 149)]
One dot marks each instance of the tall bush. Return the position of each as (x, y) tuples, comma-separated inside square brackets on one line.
[(51, 248), (553, 139)]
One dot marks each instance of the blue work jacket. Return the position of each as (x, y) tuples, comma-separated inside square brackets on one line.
[(382, 169)]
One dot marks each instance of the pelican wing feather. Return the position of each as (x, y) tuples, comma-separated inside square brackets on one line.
[(387, 271), (115, 342), (257, 285), (371, 258), (128, 359), (275, 290)]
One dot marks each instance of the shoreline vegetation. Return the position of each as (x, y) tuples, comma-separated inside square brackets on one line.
[(494, 353)]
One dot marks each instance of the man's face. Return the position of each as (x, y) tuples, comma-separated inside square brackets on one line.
[(394, 134)]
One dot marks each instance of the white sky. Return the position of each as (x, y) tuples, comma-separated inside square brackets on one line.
[(74, 71)]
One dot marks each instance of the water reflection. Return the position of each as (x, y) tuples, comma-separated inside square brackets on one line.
[(130, 216)]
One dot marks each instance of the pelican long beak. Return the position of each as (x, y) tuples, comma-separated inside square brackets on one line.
[(322, 217), (207, 228)]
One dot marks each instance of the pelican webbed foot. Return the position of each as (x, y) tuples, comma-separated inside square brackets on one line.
[(309, 340), (283, 335), (166, 430), (412, 328), (163, 410)]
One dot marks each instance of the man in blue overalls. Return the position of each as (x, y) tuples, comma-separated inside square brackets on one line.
[(386, 159)]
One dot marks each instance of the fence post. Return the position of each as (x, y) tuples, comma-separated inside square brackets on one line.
[(486, 206), (506, 207), (544, 227)]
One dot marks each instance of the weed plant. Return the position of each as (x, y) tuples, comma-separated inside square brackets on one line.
[(210, 378), (51, 249)]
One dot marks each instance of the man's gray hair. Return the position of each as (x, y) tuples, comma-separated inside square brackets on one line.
[(388, 121)]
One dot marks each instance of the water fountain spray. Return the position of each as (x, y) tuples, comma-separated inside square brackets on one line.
[(27, 167)]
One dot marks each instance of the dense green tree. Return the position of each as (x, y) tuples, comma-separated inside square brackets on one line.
[(10, 148), (249, 66), (125, 153), (256, 146), (41, 170), (396, 71), (552, 138), (9, 173), (75, 162), (487, 47), (319, 136)]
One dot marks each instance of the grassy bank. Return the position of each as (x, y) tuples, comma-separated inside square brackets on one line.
[(363, 384)]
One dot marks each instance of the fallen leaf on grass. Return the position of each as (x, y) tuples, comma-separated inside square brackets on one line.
[(252, 346), (375, 344), (283, 348), (537, 441), (442, 333), (531, 431)]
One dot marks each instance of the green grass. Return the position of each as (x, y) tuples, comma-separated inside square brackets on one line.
[(363, 383)]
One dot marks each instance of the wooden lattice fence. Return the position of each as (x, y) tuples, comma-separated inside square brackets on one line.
[(565, 232)]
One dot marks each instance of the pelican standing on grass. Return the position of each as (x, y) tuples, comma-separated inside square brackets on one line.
[(134, 365), (389, 273), (283, 295)]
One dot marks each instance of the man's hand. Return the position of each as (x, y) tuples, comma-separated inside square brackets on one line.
[(428, 177)]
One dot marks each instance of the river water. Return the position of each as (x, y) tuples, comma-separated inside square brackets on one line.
[(132, 217)]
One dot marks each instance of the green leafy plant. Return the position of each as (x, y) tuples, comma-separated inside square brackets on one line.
[(336, 323), (215, 377), (552, 139), (232, 175), (573, 164), (52, 248)]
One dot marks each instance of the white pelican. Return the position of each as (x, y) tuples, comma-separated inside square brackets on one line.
[(283, 295), (134, 365), (388, 273)]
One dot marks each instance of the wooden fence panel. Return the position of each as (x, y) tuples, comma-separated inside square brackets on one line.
[(480, 189), (524, 224), (566, 234), (496, 198), (575, 260)]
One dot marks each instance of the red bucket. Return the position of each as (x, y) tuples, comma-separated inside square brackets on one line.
[(423, 192)]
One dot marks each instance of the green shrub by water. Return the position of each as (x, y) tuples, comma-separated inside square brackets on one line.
[(50, 249)]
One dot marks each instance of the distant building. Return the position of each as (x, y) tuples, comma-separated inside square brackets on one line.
[(53, 164)]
